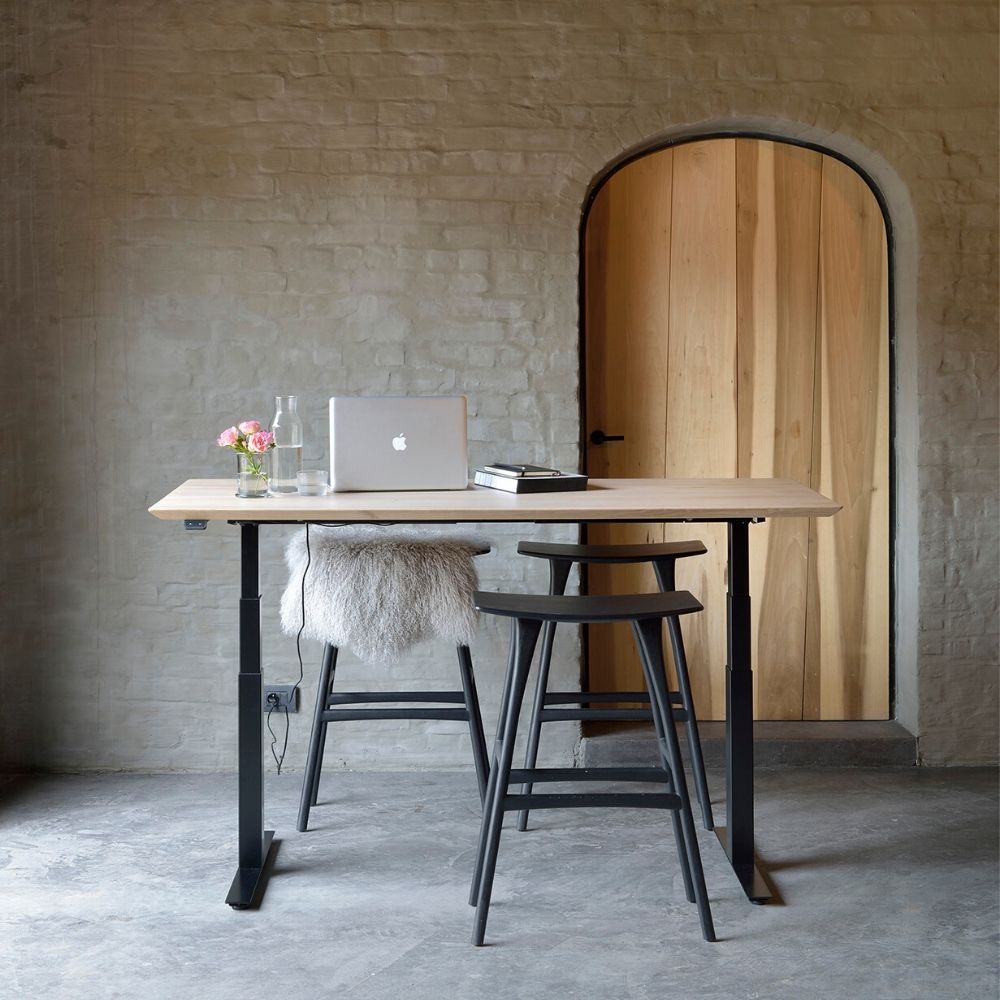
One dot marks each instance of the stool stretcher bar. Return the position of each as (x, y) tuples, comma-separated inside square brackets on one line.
[(599, 800)]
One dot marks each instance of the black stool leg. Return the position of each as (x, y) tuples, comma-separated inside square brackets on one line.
[(694, 741), (666, 578), (503, 758), (314, 799), (558, 576), (475, 719), (491, 781), (674, 813), (323, 731), (537, 706), (649, 639), (317, 741), (681, 851)]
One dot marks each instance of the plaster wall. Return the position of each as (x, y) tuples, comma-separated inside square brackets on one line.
[(203, 205)]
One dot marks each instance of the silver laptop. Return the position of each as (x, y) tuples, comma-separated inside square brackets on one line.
[(398, 443)]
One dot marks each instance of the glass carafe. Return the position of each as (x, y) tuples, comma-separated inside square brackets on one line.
[(286, 458)]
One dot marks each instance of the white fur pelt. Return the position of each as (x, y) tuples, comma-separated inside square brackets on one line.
[(378, 591)]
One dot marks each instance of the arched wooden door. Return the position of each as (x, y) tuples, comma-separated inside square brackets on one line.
[(736, 323)]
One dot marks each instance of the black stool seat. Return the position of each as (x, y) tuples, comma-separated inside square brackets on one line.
[(612, 553), (581, 610)]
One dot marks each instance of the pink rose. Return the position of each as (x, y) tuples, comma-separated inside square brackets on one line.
[(228, 437), (260, 441), (249, 427)]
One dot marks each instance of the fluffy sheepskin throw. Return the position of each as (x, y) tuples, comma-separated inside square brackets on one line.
[(378, 591)]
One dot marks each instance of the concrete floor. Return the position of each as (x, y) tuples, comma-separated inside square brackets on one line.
[(112, 886)]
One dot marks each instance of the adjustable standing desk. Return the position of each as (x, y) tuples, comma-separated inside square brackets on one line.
[(735, 502)]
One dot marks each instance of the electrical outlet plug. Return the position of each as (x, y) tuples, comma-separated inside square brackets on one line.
[(287, 696)]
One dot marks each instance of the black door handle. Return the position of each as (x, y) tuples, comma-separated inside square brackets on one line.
[(599, 437)]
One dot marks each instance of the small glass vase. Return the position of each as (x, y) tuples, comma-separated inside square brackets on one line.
[(251, 478)]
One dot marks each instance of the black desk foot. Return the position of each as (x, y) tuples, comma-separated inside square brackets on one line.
[(248, 886), (753, 879)]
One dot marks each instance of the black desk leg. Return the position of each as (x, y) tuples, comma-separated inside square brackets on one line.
[(254, 840), (737, 836)]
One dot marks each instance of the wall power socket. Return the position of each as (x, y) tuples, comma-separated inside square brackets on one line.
[(287, 694)]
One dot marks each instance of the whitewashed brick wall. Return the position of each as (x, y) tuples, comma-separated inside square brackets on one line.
[(205, 204)]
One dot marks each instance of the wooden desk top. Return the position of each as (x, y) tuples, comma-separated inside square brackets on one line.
[(603, 500)]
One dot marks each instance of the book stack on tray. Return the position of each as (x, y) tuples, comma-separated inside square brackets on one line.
[(528, 479)]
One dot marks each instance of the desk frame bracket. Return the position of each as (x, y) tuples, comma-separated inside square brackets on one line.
[(255, 842), (737, 836)]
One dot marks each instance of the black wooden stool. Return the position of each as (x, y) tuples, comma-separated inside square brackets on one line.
[(348, 707), (645, 612), (548, 706), (332, 707)]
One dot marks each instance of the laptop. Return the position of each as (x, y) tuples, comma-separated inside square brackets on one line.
[(398, 443)]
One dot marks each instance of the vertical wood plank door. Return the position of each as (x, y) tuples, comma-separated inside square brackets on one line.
[(847, 633), (778, 253), (701, 382), (736, 323), (627, 247)]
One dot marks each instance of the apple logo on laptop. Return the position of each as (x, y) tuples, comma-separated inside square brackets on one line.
[(399, 443)]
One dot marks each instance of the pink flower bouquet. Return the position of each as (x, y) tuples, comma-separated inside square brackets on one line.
[(251, 444)]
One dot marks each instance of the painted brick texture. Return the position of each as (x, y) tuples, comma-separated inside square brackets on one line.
[(206, 204)]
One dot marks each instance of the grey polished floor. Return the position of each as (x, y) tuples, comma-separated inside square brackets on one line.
[(112, 887)]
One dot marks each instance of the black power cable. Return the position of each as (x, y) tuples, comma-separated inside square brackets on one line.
[(272, 699), (272, 704)]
